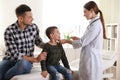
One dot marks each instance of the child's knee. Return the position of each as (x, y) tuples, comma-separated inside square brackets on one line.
[(68, 75), (57, 75)]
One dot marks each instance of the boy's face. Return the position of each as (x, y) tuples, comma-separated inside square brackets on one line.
[(55, 35)]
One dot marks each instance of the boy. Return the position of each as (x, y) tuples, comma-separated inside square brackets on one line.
[(55, 53)]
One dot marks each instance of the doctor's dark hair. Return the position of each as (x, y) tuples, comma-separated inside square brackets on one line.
[(92, 5), (50, 30), (21, 9)]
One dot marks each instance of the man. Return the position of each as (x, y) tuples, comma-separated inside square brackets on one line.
[(20, 38)]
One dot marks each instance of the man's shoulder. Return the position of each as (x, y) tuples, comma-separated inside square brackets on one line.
[(11, 27), (33, 26)]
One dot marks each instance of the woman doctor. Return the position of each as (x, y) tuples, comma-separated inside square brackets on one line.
[(90, 67)]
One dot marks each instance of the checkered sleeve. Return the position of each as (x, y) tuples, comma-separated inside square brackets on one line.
[(38, 40), (11, 46)]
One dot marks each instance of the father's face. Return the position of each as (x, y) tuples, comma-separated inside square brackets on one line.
[(27, 18)]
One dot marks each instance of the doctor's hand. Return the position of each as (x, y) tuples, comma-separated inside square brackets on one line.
[(75, 38), (44, 74)]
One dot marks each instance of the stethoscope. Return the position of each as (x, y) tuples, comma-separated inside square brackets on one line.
[(91, 24), (94, 21)]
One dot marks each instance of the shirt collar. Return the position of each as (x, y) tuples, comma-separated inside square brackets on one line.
[(93, 19), (17, 26)]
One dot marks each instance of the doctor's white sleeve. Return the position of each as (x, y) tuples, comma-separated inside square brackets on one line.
[(88, 37), (76, 44)]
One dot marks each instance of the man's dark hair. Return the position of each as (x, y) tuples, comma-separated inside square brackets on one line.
[(20, 10), (50, 30)]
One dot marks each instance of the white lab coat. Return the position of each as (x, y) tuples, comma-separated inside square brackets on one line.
[(90, 67)]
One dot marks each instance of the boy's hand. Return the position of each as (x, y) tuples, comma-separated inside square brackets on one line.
[(44, 74), (42, 56)]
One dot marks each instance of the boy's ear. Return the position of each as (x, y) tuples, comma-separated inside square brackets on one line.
[(51, 35)]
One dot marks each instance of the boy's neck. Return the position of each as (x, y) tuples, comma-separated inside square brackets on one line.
[(53, 42)]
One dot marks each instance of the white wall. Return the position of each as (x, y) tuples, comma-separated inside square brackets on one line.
[(118, 63), (111, 10), (7, 13)]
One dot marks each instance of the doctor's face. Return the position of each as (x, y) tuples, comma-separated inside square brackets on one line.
[(87, 14)]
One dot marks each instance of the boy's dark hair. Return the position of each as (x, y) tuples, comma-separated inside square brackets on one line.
[(20, 10), (50, 30)]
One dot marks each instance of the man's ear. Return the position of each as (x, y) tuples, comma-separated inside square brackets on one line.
[(20, 18)]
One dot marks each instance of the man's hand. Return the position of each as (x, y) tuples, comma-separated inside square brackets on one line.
[(31, 59), (44, 74), (42, 56)]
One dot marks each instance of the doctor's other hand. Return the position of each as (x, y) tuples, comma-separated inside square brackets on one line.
[(42, 56), (75, 38), (44, 74)]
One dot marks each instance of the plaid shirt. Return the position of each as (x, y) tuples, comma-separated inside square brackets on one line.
[(21, 42)]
